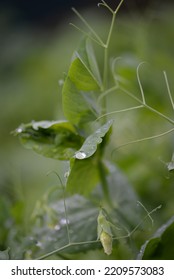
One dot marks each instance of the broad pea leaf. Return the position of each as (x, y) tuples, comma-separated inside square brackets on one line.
[(89, 146), (85, 163), (83, 79), (76, 109), (160, 246), (84, 176), (54, 139), (49, 220), (82, 219), (80, 76), (84, 72)]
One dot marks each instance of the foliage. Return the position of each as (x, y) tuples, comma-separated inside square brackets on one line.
[(60, 222), (159, 246)]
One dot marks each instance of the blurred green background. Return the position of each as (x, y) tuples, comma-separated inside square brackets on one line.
[(34, 59)]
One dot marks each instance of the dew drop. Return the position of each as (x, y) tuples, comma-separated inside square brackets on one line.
[(66, 174), (39, 244), (19, 130), (64, 221), (61, 82), (57, 227), (80, 155)]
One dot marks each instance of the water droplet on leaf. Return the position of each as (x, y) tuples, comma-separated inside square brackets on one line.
[(66, 174), (19, 130), (39, 244), (80, 155), (57, 227), (63, 221)]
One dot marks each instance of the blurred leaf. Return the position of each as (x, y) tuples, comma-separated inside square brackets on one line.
[(80, 210), (54, 139), (125, 70), (89, 146), (4, 255), (160, 246), (82, 219), (124, 209)]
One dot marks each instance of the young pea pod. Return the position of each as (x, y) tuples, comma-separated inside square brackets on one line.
[(104, 232)]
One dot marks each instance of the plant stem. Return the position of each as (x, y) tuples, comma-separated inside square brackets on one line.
[(105, 73), (168, 89), (105, 69), (104, 183), (106, 47)]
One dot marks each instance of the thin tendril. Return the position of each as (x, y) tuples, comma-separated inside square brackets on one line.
[(64, 204), (144, 139), (148, 213), (106, 93), (168, 89), (86, 34), (88, 26), (140, 223), (103, 3), (147, 106), (120, 111), (140, 85), (113, 69)]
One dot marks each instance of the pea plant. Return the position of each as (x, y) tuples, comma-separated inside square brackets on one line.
[(94, 208)]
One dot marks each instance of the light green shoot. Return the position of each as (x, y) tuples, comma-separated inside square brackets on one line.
[(104, 232), (103, 224)]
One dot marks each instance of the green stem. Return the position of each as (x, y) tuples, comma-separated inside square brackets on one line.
[(105, 73), (106, 47), (104, 183), (105, 70), (65, 247)]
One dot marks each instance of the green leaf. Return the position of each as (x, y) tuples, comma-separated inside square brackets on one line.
[(82, 215), (76, 109), (160, 246), (84, 176), (82, 219), (4, 255), (88, 167), (125, 211), (81, 77), (54, 139), (87, 56), (82, 81), (89, 146)]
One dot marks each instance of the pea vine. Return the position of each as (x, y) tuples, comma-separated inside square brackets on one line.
[(81, 140)]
